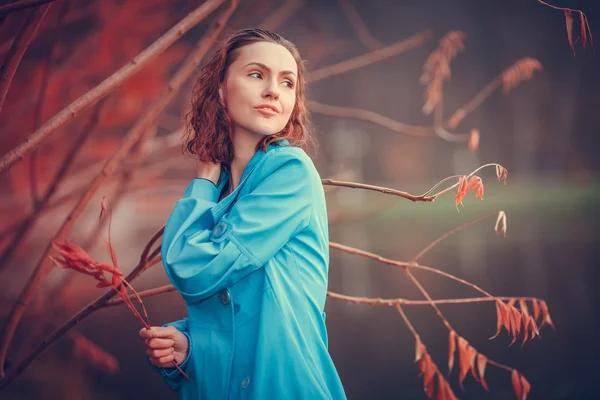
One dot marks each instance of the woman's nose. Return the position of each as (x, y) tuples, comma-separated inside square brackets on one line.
[(271, 91)]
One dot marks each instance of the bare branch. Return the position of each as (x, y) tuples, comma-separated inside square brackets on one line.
[(109, 84), (358, 25), (381, 189), (287, 9), (18, 48), (369, 58), (370, 116)]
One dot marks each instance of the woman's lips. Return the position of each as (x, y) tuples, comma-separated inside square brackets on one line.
[(266, 111)]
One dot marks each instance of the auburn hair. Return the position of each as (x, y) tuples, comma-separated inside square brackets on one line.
[(208, 132)]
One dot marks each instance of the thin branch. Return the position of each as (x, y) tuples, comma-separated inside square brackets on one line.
[(450, 233), (403, 264), (380, 189), (142, 294), (18, 48), (358, 25), (22, 5), (372, 301), (45, 265), (37, 114), (369, 58), (370, 116), (108, 85), (279, 16)]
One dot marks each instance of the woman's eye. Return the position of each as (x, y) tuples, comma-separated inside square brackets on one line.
[(256, 75), (289, 84)]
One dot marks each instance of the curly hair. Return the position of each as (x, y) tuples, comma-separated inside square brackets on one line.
[(208, 133)]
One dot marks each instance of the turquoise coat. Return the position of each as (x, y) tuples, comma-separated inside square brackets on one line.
[(252, 269)]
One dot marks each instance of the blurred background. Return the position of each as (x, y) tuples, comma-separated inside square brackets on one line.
[(543, 131)]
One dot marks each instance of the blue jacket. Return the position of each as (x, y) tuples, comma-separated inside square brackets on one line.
[(252, 269)]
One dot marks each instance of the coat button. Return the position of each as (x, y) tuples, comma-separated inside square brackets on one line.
[(224, 296), (219, 230), (245, 382)]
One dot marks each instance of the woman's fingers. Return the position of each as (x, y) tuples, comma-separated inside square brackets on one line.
[(160, 343), (163, 362), (157, 353), (157, 332)]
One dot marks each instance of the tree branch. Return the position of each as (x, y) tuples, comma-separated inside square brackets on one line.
[(109, 84), (18, 49), (370, 58), (22, 5)]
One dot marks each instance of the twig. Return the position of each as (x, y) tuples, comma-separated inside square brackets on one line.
[(21, 5), (279, 16), (108, 85), (37, 119), (369, 58), (142, 294), (403, 264), (370, 116), (381, 189), (450, 233), (358, 25), (44, 266), (18, 48), (371, 301), (80, 316)]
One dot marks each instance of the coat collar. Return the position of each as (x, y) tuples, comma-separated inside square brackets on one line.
[(221, 207)]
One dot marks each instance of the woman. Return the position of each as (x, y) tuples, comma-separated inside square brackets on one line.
[(247, 245)]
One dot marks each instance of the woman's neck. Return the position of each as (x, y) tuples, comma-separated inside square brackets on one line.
[(244, 144)]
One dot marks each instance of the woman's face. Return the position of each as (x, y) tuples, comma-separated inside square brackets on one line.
[(259, 90)]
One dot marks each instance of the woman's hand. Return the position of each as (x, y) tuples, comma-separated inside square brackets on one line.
[(165, 344), (208, 170)]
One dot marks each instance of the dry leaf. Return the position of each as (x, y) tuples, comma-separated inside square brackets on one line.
[(536, 309), (546, 315), (569, 25), (501, 221), (481, 363), (516, 382), (464, 360), (520, 71), (526, 388), (451, 351)]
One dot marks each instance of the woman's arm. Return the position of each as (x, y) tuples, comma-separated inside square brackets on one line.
[(201, 260)]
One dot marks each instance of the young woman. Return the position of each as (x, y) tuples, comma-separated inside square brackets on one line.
[(247, 246)]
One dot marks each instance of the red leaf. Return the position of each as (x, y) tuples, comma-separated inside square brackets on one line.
[(464, 359), (515, 320), (428, 375), (444, 390), (546, 315), (582, 29), (499, 319), (452, 350), (536, 309), (472, 355), (419, 349), (462, 190), (516, 384), (526, 388), (523, 305), (569, 24), (505, 315), (481, 363)]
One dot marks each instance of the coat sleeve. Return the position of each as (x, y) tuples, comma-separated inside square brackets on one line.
[(201, 260), (171, 375)]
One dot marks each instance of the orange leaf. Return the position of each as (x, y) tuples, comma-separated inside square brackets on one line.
[(516, 384), (536, 309), (428, 375), (505, 315), (452, 350), (444, 391), (526, 326), (481, 363), (419, 349), (511, 302), (569, 24), (546, 315), (462, 190), (526, 388), (472, 355), (464, 359), (582, 29), (499, 320), (523, 305)]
